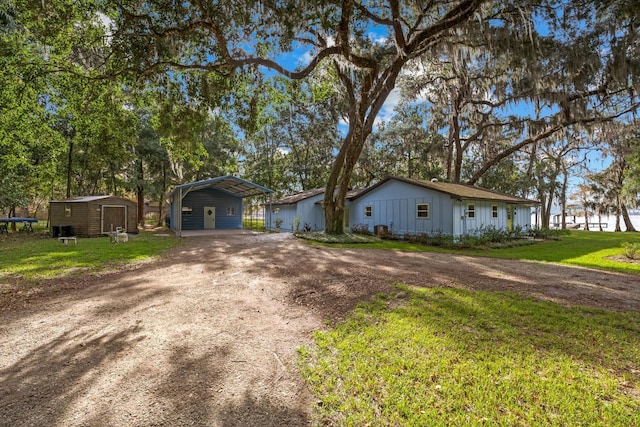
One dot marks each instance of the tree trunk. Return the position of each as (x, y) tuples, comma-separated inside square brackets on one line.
[(544, 213), (140, 193), (600, 221), (563, 200), (586, 219), (162, 191), (338, 183), (627, 220), (69, 168)]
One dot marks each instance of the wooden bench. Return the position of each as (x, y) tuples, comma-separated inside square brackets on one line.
[(65, 240)]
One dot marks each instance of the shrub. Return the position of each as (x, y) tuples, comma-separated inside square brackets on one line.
[(631, 250), (361, 229), (491, 234), (437, 238), (546, 233)]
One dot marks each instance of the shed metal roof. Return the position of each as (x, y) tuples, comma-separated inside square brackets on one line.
[(230, 184), (84, 199), (459, 191)]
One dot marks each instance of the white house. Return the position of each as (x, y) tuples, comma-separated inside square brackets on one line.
[(410, 206)]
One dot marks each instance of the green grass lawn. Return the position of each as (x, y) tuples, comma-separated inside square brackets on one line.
[(253, 224), (582, 248), (447, 357), (33, 256)]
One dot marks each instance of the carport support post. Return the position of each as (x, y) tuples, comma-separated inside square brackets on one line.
[(179, 214)]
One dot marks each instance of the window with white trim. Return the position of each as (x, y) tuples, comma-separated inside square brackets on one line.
[(471, 210), (186, 210), (422, 211), (494, 211), (231, 210), (368, 211)]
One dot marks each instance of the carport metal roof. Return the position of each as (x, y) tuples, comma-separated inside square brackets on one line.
[(229, 184)]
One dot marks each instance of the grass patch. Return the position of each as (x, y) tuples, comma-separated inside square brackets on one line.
[(253, 224), (30, 257), (342, 239), (458, 358), (582, 248)]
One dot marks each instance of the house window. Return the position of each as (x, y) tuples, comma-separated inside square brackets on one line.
[(494, 211), (422, 210), (67, 211), (231, 211), (275, 210), (471, 210), (368, 211), (186, 210)]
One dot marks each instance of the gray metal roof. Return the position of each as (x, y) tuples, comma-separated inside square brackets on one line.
[(459, 191), (230, 184), (295, 198), (83, 199)]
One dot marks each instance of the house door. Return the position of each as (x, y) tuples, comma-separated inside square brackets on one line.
[(209, 217), (510, 217), (114, 217)]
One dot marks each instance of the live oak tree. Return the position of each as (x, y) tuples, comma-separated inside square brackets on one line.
[(225, 36), (510, 87)]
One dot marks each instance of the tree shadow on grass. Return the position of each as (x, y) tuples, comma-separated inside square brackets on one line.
[(50, 379)]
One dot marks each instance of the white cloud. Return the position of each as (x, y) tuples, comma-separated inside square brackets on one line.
[(388, 108), (378, 39), (305, 58)]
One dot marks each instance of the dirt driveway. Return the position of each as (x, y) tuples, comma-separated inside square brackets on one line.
[(208, 335)]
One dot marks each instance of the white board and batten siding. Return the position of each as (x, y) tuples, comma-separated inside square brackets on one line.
[(484, 216)]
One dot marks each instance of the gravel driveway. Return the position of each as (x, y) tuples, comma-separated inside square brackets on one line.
[(208, 335)]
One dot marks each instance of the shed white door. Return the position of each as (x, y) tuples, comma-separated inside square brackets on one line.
[(209, 217)]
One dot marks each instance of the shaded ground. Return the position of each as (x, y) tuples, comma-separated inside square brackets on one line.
[(208, 335)]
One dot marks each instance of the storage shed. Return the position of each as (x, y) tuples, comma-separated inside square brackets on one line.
[(210, 204), (91, 216)]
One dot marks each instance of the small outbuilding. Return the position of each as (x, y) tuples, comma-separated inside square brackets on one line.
[(211, 204), (92, 216)]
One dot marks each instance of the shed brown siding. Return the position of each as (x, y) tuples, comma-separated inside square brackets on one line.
[(86, 216)]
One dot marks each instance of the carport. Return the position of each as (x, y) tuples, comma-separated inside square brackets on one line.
[(211, 204)]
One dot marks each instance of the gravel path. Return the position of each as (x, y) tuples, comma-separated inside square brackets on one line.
[(208, 335)]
